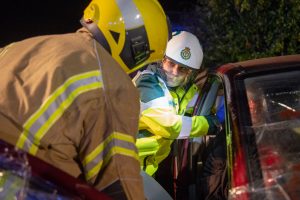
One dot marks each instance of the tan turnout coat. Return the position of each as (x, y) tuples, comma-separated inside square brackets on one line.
[(65, 100)]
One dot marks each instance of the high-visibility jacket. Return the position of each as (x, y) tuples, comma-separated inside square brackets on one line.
[(164, 118), (64, 99)]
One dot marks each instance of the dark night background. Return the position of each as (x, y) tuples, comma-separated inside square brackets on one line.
[(25, 18), (20, 19), (228, 31)]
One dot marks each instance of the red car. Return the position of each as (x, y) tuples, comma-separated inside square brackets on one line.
[(262, 132), (24, 177), (262, 125)]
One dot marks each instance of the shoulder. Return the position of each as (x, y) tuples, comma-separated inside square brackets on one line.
[(145, 78), (149, 86)]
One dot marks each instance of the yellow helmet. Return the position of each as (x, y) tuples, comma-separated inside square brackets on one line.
[(134, 32)]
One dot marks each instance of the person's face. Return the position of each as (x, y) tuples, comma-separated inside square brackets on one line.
[(256, 109), (175, 73)]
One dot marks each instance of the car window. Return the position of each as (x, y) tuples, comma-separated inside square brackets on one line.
[(212, 97), (274, 98), (212, 101), (274, 109)]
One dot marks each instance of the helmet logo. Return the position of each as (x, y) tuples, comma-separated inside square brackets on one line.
[(185, 53)]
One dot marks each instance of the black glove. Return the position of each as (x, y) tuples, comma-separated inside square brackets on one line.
[(214, 125)]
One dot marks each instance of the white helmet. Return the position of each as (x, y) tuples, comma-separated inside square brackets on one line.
[(184, 48)]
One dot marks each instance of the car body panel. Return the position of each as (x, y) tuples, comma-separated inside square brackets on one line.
[(253, 169), (23, 176)]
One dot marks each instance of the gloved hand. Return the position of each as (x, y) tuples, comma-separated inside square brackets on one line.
[(200, 79), (214, 125)]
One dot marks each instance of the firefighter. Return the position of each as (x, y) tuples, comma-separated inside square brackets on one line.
[(168, 91), (65, 98)]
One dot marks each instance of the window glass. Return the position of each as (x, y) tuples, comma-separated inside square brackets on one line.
[(274, 107), (274, 98)]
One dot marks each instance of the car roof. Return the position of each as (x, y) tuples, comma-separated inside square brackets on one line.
[(260, 64)]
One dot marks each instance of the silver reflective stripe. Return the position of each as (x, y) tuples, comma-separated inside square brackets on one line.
[(104, 155), (161, 102), (53, 107), (147, 72), (139, 73), (186, 128), (164, 86), (115, 143), (131, 15), (192, 102)]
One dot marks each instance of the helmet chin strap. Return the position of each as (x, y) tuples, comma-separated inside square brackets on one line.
[(97, 33)]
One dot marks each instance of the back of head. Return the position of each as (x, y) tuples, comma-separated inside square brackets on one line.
[(134, 32), (184, 48)]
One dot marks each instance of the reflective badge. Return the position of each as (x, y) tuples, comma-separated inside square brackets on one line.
[(185, 53)]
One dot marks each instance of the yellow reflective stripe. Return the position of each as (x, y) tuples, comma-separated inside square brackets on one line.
[(113, 151), (123, 145), (28, 124), (97, 150), (58, 113), (124, 137), (101, 146)]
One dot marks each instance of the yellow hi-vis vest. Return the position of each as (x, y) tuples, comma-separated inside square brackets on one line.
[(163, 118)]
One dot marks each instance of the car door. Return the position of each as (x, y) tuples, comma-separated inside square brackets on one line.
[(209, 152), (270, 136)]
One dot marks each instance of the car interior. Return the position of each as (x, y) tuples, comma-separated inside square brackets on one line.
[(274, 106)]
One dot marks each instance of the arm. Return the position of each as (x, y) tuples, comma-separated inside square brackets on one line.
[(158, 115)]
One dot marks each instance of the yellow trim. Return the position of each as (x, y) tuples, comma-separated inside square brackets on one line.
[(125, 137), (59, 112), (113, 151), (51, 99), (90, 157), (101, 146)]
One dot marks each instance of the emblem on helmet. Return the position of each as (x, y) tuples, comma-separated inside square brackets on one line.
[(185, 53)]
